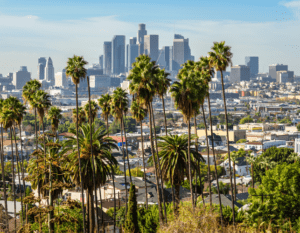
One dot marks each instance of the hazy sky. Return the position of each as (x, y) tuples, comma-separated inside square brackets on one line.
[(59, 29)]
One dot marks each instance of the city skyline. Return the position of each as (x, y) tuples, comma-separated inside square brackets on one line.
[(272, 40)]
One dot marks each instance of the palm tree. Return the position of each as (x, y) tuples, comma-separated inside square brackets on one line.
[(139, 113), (234, 156), (163, 84), (104, 103), (54, 115), (251, 159), (29, 90), (81, 116), (220, 59), (185, 94), (173, 154), (2, 163), (91, 109), (103, 161), (75, 69), (94, 110), (143, 87), (119, 105), (7, 119)]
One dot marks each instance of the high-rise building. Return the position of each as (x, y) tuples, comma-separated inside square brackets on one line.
[(49, 72), (181, 51), (101, 61), (132, 50), (61, 79), (178, 36), (107, 57), (239, 73), (285, 76), (151, 46), (140, 37), (274, 68), (21, 77), (253, 63), (41, 68), (118, 54)]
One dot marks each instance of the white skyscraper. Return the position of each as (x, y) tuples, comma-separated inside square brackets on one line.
[(49, 72), (61, 79)]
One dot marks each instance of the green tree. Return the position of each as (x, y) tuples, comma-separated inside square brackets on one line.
[(131, 223), (94, 110), (224, 188), (246, 119), (280, 204), (104, 161), (76, 70), (174, 160), (201, 126), (54, 115), (81, 116), (251, 159)]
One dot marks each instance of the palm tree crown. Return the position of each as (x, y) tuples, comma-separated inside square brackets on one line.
[(105, 105), (75, 69), (94, 110), (54, 114)]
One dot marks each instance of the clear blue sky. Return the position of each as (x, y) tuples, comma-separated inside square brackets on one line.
[(60, 28)]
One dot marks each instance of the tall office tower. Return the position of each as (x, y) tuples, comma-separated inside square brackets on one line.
[(61, 79), (41, 68), (151, 46), (132, 52), (239, 73), (140, 37), (178, 36), (49, 72), (252, 62), (181, 51), (274, 68), (118, 54), (164, 58), (21, 77), (171, 61), (101, 61), (107, 57)]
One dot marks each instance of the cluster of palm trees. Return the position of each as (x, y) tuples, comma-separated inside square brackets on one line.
[(85, 158)]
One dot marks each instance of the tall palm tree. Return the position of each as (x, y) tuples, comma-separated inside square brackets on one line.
[(54, 115), (163, 84), (206, 74), (139, 113), (173, 154), (119, 105), (94, 110), (103, 160), (91, 109), (143, 87), (76, 70), (7, 119), (185, 94), (2, 164), (220, 59), (251, 159), (104, 103)]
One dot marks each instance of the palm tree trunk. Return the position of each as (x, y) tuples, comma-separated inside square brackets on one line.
[(51, 213), (208, 162), (20, 129), (38, 184), (159, 169), (78, 149), (113, 178), (213, 149), (234, 179), (127, 156), (93, 160), (189, 162), (227, 134), (155, 166), (196, 145), (126, 191), (163, 103), (102, 218), (107, 125), (18, 166), (3, 177), (143, 153), (173, 195), (91, 210), (13, 179)]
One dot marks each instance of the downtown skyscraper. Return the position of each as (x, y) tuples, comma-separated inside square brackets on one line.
[(118, 54)]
